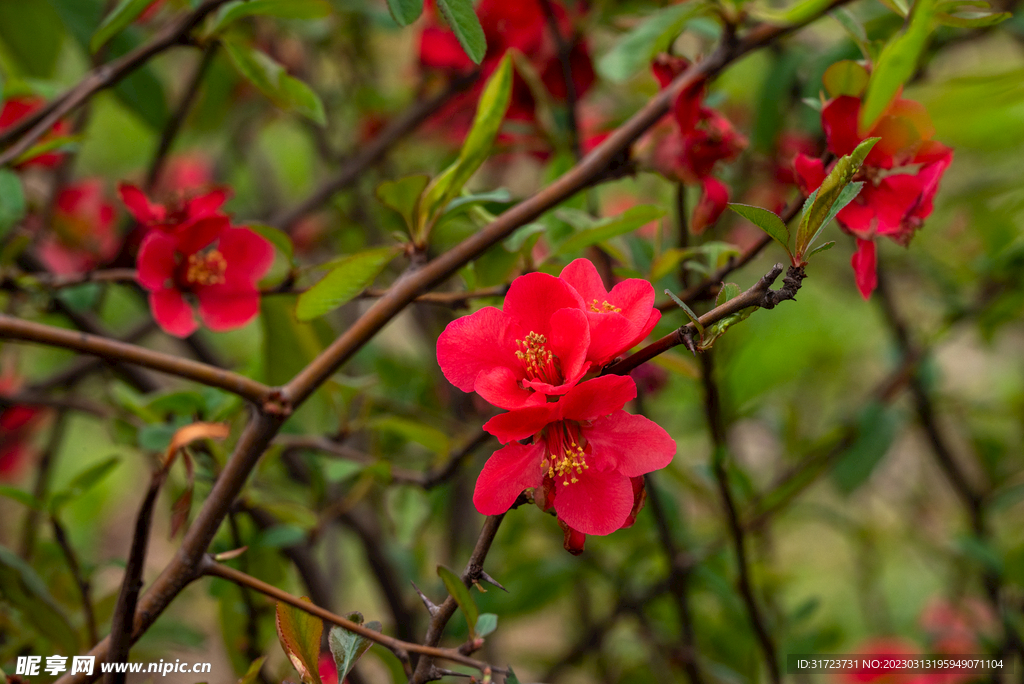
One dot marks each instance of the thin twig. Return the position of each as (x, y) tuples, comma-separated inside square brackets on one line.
[(81, 581), (42, 485)]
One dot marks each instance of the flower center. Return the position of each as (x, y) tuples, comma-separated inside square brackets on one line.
[(539, 363), (604, 307), (206, 269), (566, 453)]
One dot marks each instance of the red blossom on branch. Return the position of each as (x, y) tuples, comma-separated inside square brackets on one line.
[(16, 109), (17, 425), (83, 234), (584, 453), (179, 213), (901, 176)]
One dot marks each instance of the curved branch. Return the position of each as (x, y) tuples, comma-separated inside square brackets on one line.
[(17, 329)]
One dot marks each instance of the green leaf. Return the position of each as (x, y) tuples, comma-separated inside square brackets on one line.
[(467, 201), (846, 195), (461, 16), (818, 207), (12, 201), (490, 112), (823, 248), (123, 14), (32, 34), (22, 588), (667, 261), (637, 49), (350, 276), (83, 482), (406, 11), (628, 221), (728, 291), (299, 634), (403, 195), (22, 497), (486, 623), (799, 13), (281, 240), (347, 647), (511, 678), (283, 9), (253, 672), (270, 78), (876, 429), (766, 220), (461, 594), (896, 64), (694, 318), (414, 431), (845, 78), (972, 19)]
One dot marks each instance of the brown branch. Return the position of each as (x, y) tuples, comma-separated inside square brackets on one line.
[(400, 648), (716, 425), (110, 275), (759, 295), (112, 350), (42, 485), (452, 299), (81, 582), (440, 618), (373, 152), (70, 403), (80, 368), (33, 127)]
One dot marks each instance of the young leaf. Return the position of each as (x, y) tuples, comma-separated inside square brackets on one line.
[(486, 623), (299, 634), (638, 48), (403, 195), (728, 291), (490, 112), (347, 647), (461, 16), (83, 482), (847, 195), (461, 594), (348, 278), (271, 79), (253, 672), (511, 678), (896, 64), (119, 18), (767, 221), (823, 248), (406, 11), (694, 318), (845, 77), (818, 208), (22, 588), (628, 221), (22, 497), (12, 201), (284, 9)]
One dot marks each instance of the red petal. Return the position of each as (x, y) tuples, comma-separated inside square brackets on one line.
[(568, 339), (713, 200), (204, 205), (639, 499), (596, 398), (533, 299), (582, 276), (666, 67), (610, 334), (598, 503), (156, 262), (172, 312), (687, 107), (864, 262), (227, 306), (500, 386), (633, 445), (440, 49), (572, 540), (200, 232), (139, 205), (809, 171), (473, 344), (839, 119), (522, 423), (506, 474), (248, 255)]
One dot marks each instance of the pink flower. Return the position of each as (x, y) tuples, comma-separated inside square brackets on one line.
[(206, 260), (901, 176), (83, 235), (584, 454), (618, 319), (16, 109), (535, 346)]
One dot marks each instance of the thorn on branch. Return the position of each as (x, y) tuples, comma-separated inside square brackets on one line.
[(431, 606), (490, 580)]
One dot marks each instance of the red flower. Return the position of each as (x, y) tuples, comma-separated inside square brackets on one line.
[(901, 176), (584, 454), (179, 214), (207, 260), (83, 235), (702, 139), (618, 319), (16, 109), (185, 175), (535, 346), (17, 423)]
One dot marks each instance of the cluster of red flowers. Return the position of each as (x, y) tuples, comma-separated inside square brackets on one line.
[(190, 249), (586, 456), (901, 176), (522, 26), (702, 138)]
